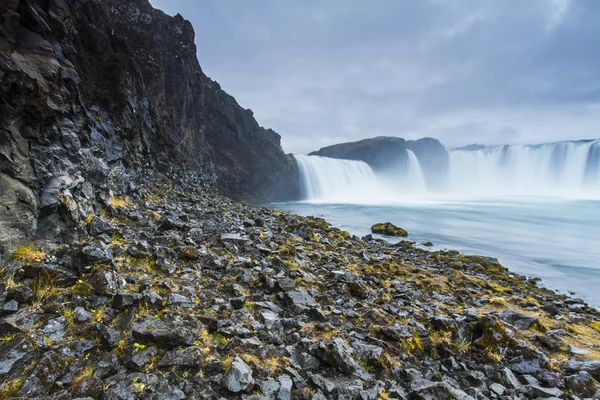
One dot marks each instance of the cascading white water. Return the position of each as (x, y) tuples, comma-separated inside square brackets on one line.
[(330, 179), (413, 178), (563, 169)]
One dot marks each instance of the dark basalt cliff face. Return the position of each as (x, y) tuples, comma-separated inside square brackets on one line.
[(382, 152), (95, 91)]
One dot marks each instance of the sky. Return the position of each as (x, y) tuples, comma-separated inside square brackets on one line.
[(463, 71)]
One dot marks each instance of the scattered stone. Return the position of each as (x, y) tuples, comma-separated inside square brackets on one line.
[(8, 308), (98, 226), (238, 377), (82, 316), (190, 357), (582, 384), (142, 358), (108, 337), (162, 333), (518, 320), (97, 253), (43, 376), (107, 282)]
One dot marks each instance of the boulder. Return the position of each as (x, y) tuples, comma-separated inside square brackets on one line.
[(582, 384), (43, 376), (162, 333), (388, 229), (518, 320), (238, 378), (190, 357), (107, 282)]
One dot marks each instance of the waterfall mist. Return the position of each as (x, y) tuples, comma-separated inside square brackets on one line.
[(562, 169)]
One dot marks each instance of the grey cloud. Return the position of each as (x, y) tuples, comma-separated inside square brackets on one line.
[(462, 71)]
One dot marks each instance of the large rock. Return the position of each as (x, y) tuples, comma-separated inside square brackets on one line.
[(190, 357), (238, 378), (338, 354), (107, 282), (15, 355), (163, 333), (45, 373)]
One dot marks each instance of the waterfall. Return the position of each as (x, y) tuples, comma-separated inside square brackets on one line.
[(554, 169), (562, 169), (414, 179), (335, 180)]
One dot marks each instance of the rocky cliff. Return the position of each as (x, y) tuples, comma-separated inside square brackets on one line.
[(95, 91), (382, 152)]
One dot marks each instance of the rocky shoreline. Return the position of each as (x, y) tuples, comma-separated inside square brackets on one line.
[(177, 293)]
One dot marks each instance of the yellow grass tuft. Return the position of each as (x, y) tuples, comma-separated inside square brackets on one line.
[(29, 253), (118, 202)]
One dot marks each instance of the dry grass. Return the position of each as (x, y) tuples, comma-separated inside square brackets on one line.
[(29, 253), (9, 389), (118, 202), (494, 356), (98, 315), (437, 338), (462, 347), (43, 287), (498, 301)]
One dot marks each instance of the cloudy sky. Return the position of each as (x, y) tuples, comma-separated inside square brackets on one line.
[(465, 71)]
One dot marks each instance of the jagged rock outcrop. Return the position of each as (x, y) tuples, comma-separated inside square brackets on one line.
[(94, 91), (383, 153)]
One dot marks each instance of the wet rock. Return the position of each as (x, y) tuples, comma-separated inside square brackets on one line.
[(582, 384), (59, 276), (542, 392), (8, 308), (15, 355), (97, 253), (298, 298), (238, 377), (388, 229), (518, 320), (43, 376), (338, 354), (163, 333), (190, 357), (574, 366), (125, 300), (107, 365), (98, 226), (82, 316), (107, 282), (55, 330), (140, 359), (439, 390), (109, 338), (285, 388), (88, 387)]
